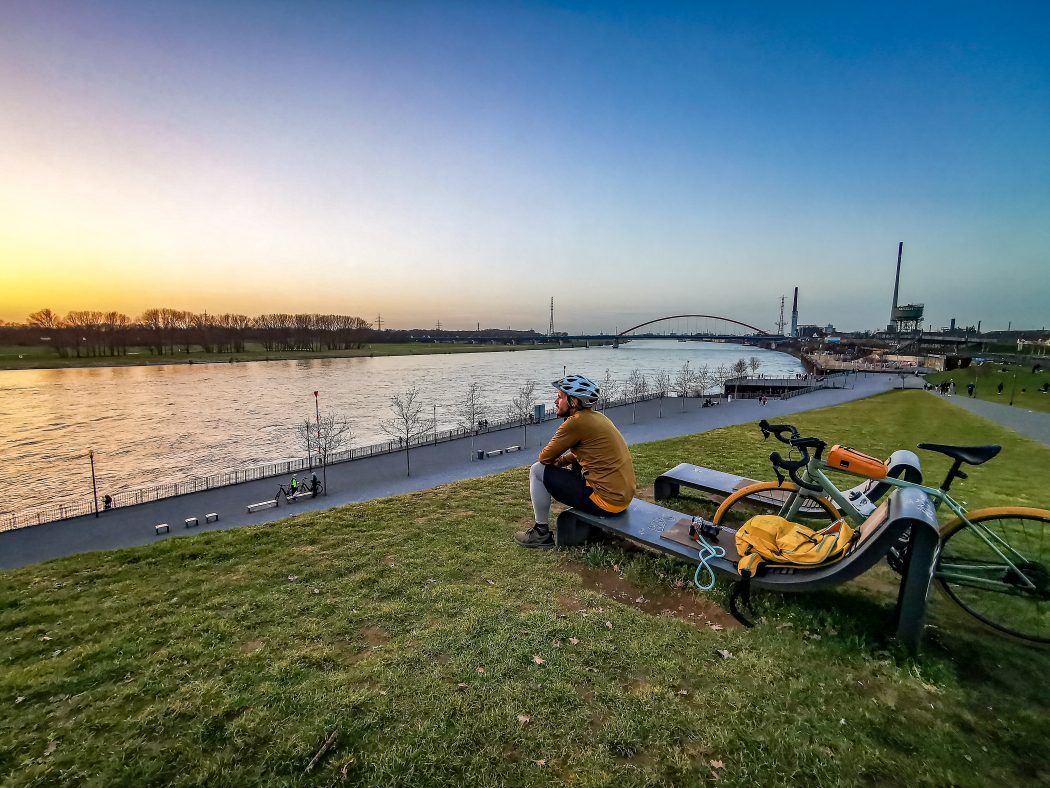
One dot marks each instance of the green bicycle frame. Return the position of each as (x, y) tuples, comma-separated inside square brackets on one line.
[(814, 473)]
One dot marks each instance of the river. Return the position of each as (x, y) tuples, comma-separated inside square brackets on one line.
[(159, 424)]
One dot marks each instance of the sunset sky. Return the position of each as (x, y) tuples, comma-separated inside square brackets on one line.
[(466, 161)]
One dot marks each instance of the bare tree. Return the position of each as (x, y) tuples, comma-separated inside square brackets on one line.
[(471, 411), (607, 390), (637, 387), (683, 382), (720, 375), (408, 423), (754, 363), (45, 319), (662, 384), (739, 370), (323, 438), (703, 378), (326, 437), (521, 407)]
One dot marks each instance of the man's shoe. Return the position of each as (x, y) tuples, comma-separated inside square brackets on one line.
[(535, 539)]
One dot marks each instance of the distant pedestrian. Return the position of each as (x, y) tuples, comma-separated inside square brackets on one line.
[(294, 485), (999, 388), (107, 502), (971, 388)]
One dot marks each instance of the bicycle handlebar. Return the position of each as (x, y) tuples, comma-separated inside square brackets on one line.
[(793, 467), (778, 430)]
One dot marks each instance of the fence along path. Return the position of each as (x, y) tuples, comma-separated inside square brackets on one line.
[(124, 498)]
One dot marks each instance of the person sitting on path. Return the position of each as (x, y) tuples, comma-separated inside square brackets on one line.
[(586, 465)]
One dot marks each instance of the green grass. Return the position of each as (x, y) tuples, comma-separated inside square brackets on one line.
[(1019, 382), (409, 627), (45, 357)]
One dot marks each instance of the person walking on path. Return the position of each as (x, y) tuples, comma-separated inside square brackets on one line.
[(586, 465)]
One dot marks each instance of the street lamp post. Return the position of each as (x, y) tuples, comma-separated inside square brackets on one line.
[(94, 486), (320, 450), (1013, 387)]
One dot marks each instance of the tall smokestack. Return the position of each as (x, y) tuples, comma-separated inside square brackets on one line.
[(794, 314), (896, 284)]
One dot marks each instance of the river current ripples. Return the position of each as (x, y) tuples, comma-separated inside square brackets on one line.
[(161, 424)]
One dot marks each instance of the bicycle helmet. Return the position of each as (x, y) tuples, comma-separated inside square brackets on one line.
[(584, 389)]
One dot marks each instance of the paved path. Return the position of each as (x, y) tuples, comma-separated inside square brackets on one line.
[(1033, 424), (378, 477)]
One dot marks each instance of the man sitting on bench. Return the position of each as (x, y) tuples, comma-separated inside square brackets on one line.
[(586, 465)]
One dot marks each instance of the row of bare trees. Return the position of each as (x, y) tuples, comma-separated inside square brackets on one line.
[(410, 420), (164, 330)]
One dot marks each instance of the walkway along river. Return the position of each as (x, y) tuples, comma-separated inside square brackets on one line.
[(385, 475), (167, 424)]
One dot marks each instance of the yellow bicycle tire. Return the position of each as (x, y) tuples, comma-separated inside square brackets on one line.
[(760, 487)]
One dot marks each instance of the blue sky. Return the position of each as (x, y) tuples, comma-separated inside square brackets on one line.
[(466, 161)]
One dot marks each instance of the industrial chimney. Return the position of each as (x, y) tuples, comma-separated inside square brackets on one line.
[(794, 314), (896, 285)]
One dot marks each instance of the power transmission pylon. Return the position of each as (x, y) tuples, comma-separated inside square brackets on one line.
[(379, 322), (781, 323), (550, 330)]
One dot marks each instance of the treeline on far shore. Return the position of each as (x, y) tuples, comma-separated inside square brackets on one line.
[(89, 333)]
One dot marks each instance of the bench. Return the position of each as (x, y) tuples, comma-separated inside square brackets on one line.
[(298, 495), (211, 517), (510, 449), (906, 510), (255, 507), (161, 528), (902, 464), (192, 522), (494, 453)]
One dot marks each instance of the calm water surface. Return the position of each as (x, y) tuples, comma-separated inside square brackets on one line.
[(160, 424)]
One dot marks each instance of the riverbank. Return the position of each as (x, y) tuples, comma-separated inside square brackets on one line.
[(14, 357), (408, 641), (384, 475)]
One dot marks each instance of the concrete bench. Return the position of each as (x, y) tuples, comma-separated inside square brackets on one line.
[(299, 495), (494, 453), (906, 511), (161, 528), (211, 517), (255, 507), (510, 449), (192, 522)]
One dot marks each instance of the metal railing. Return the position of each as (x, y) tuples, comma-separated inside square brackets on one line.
[(123, 498)]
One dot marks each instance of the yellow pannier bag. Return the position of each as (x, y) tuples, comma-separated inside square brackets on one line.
[(769, 539)]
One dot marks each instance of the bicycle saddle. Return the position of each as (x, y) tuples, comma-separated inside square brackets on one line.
[(974, 455)]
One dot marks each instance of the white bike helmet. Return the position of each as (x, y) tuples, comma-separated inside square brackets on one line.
[(584, 389)]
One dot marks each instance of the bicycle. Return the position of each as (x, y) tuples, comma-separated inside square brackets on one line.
[(993, 562)]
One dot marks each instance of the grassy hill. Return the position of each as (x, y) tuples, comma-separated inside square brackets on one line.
[(407, 641)]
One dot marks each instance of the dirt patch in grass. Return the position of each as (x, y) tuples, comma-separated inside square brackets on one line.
[(375, 636), (252, 646), (678, 604)]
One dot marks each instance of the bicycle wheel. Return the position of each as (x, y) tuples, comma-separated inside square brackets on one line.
[(769, 498), (997, 569)]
